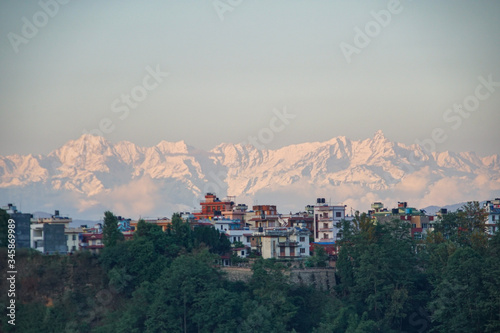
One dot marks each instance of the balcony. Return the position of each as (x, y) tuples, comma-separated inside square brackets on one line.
[(288, 244), (326, 229), (326, 240)]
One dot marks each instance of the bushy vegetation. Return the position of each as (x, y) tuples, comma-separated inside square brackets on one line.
[(168, 282)]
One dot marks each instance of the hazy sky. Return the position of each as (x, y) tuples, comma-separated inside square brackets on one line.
[(231, 63)]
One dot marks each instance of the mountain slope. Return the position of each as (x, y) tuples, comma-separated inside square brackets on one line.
[(90, 174)]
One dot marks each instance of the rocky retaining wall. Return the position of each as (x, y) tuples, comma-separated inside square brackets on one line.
[(319, 278)]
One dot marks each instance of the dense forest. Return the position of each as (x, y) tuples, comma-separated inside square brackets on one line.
[(168, 282)]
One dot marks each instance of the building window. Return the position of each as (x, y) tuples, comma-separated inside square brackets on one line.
[(302, 250), (493, 217), (325, 236), (73, 248), (302, 239), (74, 237), (243, 253), (325, 225), (413, 225), (66, 237), (338, 214), (424, 225)]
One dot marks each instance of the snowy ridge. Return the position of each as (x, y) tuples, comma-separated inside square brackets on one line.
[(92, 173)]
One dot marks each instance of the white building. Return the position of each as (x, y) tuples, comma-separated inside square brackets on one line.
[(37, 231), (327, 221), (72, 238), (284, 243), (234, 232), (492, 207)]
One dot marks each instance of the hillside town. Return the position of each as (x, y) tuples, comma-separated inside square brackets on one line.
[(257, 232)]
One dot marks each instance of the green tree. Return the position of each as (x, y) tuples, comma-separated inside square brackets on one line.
[(110, 233), (379, 275), (318, 259), (182, 232), (216, 241), (466, 226), (465, 273), (459, 298), (189, 297), (271, 289)]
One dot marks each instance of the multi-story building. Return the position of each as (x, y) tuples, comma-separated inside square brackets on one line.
[(91, 242), (264, 216), (54, 239), (301, 220), (492, 207), (420, 223), (21, 226), (213, 206), (163, 223), (327, 221), (72, 239), (48, 234), (187, 216), (282, 243)]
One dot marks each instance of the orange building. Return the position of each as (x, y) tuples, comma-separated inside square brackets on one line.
[(213, 206), (265, 216)]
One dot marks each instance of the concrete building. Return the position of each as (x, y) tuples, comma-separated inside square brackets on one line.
[(235, 233), (54, 239), (72, 239), (492, 207), (22, 226), (214, 207), (187, 216), (163, 223), (264, 216), (124, 224), (302, 219), (327, 221), (282, 243), (91, 242), (421, 223)]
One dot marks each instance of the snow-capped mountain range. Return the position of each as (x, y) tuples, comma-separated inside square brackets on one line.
[(89, 175)]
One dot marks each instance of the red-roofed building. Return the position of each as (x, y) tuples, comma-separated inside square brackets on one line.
[(91, 242)]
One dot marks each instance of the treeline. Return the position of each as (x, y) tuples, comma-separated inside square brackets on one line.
[(386, 282), (450, 282)]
